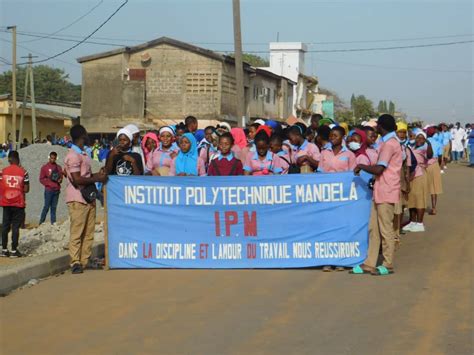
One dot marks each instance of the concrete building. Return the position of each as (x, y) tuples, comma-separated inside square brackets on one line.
[(51, 119), (163, 81), (288, 60)]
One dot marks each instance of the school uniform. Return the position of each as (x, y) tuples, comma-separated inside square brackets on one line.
[(201, 169), (329, 162), (227, 165), (446, 139), (404, 181), (270, 164), (419, 184), (308, 149), (285, 160), (373, 155), (206, 154), (386, 195), (433, 170), (160, 159)]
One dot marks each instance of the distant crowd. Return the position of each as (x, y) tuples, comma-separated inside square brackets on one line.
[(406, 163)]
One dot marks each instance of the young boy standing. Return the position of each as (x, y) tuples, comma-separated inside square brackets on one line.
[(14, 183)]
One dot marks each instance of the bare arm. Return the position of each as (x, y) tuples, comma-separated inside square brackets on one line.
[(371, 169)]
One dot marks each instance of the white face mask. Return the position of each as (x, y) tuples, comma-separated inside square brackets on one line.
[(411, 141), (354, 146)]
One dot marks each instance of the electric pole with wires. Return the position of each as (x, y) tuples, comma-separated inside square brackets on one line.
[(13, 127), (29, 77)]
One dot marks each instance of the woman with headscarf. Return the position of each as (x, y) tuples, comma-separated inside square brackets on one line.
[(149, 143), (187, 162), (121, 160), (358, 145), (159, 162)]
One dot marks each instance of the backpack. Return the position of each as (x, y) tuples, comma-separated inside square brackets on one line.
[(292, 168), (414, 163)]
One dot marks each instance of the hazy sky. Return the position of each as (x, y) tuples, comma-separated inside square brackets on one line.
[(434, 83)]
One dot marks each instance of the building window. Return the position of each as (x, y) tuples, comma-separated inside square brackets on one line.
[(201, 82), (255, 92), (267, 95), (274, 96)]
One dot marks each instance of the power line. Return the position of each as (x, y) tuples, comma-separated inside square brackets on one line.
[(67, 26), (70, 38), (437, 70), (85, 38)]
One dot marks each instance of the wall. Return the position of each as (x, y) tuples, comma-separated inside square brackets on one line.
[(264, 99), (180, 83), (44, 126)]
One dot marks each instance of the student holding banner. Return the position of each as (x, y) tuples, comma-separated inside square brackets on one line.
[(225, 163), (336, 158), (386, 195), (263, 161), (159, 162), (305, 154), (122, 160), (187, 162)]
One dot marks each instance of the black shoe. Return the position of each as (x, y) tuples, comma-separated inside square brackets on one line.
[(76, 269), (15, 254), (5, 253)]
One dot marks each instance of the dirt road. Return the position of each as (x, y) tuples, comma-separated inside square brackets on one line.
[(425, 308)]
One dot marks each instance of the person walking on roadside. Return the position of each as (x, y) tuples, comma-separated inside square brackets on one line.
[(445, 139), (14, 184), (386, 195), (51, 177), (80, 199), (458, 140)]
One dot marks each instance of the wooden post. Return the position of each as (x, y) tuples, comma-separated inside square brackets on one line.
[(106, 230), (239, 70)]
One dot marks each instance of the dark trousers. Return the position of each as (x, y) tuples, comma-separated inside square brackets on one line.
[(12, 219), (50, 201)]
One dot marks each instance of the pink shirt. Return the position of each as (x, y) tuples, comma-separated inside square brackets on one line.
[(309, 149), (373, 155), (201, 168), (285, 164), (159, 158), (363, 159), (420, 154), (387, 185), (203, 153), (345, 160), (76, 163), (269, 164)]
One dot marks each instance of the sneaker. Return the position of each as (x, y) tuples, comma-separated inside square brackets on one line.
[(76, 269), (442, 171), (418, 227), (5, 253), (445, 167), (15, 254), (408, 227)]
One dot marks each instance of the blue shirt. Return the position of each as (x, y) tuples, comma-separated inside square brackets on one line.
[(436, 146)]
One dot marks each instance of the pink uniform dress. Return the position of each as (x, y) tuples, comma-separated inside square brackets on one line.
[(387, 185), (345, 160), (270, 164), (285, 161), (420, 154), (307, 148), (373, 155), (160, 158)]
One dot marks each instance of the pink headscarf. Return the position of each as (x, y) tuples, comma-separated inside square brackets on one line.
[(240, 139), (152, 136)]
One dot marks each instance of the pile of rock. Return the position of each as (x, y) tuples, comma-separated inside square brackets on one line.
[(48, 238), (32, 159)]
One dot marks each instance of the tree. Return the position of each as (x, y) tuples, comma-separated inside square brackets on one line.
[(391, 108), (339, 104), (50, 84), (363, 107), (380, 107), (384, 107), (254, 60), (352, 101)]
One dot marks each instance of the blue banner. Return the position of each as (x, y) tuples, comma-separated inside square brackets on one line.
[(238, 222)]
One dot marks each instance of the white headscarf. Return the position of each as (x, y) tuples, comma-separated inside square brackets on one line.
[(126, 132), (132, 128)]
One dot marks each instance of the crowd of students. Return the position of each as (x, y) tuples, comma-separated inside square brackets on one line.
[(406, 163)]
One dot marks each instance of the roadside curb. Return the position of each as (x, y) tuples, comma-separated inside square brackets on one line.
[(48, 265)]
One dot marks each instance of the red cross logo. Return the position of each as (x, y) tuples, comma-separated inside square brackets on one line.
[(13, 181)]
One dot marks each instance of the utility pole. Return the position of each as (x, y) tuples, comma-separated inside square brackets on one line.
[(29, 74), (239, 70), (13, 28)]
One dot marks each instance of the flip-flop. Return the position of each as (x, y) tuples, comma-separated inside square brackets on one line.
[(432, 213), (382, 271), (327, 268), (357, 270)]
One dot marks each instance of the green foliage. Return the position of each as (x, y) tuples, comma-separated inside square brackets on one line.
[(352, 101), (254, 60), (363, 108), (391, 108), (380, 107), (50, 84)]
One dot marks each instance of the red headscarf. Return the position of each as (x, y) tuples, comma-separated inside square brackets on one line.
[(363, 142), (266, 129), (239, 137)]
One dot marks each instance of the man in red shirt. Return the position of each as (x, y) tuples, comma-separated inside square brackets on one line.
[(14, 183), (51, 176)]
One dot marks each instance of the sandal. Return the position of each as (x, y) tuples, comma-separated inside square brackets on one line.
[(358, 270), (432, 212), (340, 268), (327, 268), (382, 271)]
